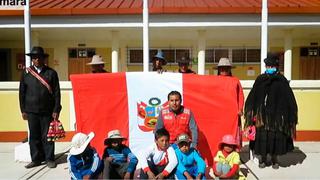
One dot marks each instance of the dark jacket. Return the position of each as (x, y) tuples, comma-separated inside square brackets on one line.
[(34, 97)]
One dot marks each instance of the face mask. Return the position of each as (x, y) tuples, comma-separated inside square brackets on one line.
[(271, 70)]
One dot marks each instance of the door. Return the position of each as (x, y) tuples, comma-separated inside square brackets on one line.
[(310, 63), (4, 65), (78, 59)]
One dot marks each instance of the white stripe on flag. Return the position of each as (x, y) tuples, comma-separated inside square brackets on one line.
[(147, 94)]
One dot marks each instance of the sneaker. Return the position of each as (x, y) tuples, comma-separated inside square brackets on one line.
[(51, 164), (262, 165), (275, 166), (32, 164)]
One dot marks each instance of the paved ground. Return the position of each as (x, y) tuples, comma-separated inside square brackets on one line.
[(300, 164)]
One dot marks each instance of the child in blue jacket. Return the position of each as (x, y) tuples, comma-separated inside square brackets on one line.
[(190, 163), (119, 161), (83, 160)]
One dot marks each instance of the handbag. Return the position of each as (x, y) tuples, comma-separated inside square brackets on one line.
[(250, 132), (56, 131)]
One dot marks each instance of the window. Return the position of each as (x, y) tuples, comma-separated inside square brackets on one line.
[(171, 55), (238, 55), (219, 53)]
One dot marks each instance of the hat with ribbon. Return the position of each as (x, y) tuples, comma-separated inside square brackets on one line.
[(37, 51), (114, 134)]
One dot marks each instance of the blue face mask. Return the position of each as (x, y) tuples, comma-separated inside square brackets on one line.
[(271, 70)]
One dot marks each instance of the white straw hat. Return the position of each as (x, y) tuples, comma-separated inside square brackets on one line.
[(114, 134), (79, 142), (96, 59)]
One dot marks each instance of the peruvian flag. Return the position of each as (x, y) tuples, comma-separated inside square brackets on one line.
[(132, 101)]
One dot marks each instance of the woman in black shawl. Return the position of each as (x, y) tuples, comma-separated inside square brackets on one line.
[(271, 107)]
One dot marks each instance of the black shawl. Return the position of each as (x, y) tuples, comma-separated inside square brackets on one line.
[(271, 105)]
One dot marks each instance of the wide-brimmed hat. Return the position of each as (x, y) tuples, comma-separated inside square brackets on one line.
[(160, 56), (184, 60), (96, 59), (37, 51), (224, 62), (228, 139), (272, 59), (183, 138), (114, 134), (79, 142)]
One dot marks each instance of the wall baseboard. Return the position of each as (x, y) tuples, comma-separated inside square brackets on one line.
[(19, 136)]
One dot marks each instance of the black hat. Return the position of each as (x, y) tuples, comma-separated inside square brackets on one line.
[(37, 51), (184, 60), (272, 59)]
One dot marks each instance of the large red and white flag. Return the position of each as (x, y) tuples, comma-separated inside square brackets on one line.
[(131, 102)]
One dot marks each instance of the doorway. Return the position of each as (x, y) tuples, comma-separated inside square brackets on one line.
[(5, 68), (310, 63), (78, 59)]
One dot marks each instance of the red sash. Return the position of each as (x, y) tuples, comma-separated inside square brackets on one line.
[(41, 79)]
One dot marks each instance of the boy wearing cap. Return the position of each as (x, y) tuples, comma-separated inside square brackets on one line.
[(159, 160), (83, 160), (183, 64), (190, 163), (119, 161)]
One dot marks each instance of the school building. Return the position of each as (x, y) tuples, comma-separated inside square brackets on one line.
[(71, 31)]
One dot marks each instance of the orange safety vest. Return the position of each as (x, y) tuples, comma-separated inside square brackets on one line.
[(176, 124)]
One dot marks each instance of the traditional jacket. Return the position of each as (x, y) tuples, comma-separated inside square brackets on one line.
[(35, 97)]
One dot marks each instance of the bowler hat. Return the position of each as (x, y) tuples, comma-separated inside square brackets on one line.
[(37, 51), (183, 60), (272, 59)]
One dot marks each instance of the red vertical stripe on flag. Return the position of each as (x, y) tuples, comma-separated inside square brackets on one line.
[(213, 101), (101, 105)]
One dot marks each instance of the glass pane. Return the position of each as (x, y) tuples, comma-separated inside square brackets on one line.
[(91, 52), (169, 55), (182, 53), (238, 55), (209, 55), (253, 55), (82, 53), (136, 56), (73, 53), (152, 53), (219, 53)]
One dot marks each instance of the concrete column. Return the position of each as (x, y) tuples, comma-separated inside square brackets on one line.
[(123, 59), (27, 30), (201, 51), (34, 38), (264, 34), (115, 51), (145, 36), (288, 54)]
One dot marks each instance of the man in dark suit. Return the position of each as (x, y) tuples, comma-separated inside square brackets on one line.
[(39, 95)]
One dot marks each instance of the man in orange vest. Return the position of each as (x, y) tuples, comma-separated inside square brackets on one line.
[(177, 119)]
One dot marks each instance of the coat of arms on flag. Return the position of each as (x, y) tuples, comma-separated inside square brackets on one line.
[(148, 114)]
